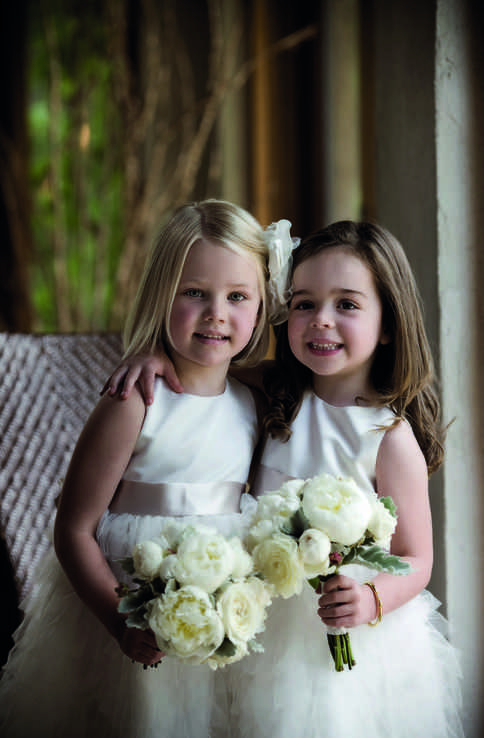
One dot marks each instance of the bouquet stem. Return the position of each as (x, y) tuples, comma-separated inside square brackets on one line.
[(340, 648)]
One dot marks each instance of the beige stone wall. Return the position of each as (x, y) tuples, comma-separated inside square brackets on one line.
[(422, 67), (460, 207)]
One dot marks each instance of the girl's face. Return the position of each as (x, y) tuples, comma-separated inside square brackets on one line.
[(215, 309), (335, 323)]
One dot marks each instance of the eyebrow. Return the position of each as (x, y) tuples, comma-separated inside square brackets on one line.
[(337, 290), (202, 282)]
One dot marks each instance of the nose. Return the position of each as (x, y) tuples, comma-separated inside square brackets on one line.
[(215, 309), (322, 318)]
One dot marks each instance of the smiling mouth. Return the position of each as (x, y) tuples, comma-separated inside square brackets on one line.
[(211, 337), (324, 346)]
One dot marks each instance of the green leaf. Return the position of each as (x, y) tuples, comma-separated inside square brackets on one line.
[(134, 600), (314, 582), (390, 505), (157, 586), (296, 525), (137, 619), (226, 648), (127, 565), (377, 558)]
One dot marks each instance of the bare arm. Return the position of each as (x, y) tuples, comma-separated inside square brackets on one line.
[(99, 460), (142, 369), (401, 473)]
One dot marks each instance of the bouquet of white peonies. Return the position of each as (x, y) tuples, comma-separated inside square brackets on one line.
[(307, 529), (199, 594)]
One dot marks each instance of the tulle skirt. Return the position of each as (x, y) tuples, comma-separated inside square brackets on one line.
[(67, 677), (406, 683)]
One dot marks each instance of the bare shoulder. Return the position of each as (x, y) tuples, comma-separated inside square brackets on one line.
[(400, 454), (116, 416)]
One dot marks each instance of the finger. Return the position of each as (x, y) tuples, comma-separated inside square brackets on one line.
[(172, 379), (130, 380), (152, 657), (337, 583), (115, 381), (146, 383), (336, 610), (337, 598), (337, 616)]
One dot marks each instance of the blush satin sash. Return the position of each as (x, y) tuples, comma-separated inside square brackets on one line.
[(177, 498)]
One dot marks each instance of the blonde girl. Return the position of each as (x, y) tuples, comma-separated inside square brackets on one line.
[(203, 297)]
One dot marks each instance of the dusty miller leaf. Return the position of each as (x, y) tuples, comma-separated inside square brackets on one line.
[(377, 558), (390, 505)]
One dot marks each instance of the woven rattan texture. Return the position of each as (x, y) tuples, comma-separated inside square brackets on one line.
[(48, 386)]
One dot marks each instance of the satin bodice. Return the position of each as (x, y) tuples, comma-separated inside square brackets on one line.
[(192, 456), (342, 441)]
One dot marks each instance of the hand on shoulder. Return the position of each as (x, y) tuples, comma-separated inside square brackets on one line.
[(140, 371)]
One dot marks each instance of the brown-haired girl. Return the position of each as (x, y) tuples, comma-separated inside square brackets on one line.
[(352, 393)]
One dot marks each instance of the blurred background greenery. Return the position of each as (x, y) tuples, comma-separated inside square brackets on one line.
[(120, 110)]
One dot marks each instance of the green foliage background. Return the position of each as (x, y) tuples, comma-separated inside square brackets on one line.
[(76, 176)]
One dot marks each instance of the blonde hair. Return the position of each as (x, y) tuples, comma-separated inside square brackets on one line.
[(224, 223), (402, 373)]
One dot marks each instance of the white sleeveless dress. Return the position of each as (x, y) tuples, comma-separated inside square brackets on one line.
[(406, 681), (66, 676)]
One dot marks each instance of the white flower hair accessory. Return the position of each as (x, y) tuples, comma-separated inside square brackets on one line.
[(280, 245)]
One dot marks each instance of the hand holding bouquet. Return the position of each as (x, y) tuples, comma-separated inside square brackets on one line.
[(307, 529), (199, 594)]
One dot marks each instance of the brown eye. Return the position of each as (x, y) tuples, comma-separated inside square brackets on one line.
[(348, 305)]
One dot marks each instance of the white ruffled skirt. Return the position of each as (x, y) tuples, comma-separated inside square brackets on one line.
[(67, 677), (406, 683)]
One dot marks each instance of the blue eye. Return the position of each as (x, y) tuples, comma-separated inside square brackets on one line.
[(193, 292), (237, 297)]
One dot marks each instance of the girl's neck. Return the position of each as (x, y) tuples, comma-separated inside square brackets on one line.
[(343, 394), (203, 381)]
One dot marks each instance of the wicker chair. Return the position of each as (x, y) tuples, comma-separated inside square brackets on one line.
[(48, 386)]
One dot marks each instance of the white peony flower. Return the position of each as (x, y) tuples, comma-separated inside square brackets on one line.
[(277, 559), (261, 530), (291, 488), (337, 507), (167, 567), (147, 558), (243, 564), (382, 524), (185, 622), (204, 558), (314, 550), (242, 609), (277, 508)]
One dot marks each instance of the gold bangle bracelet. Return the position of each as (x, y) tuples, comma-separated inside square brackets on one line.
[(377, 602)]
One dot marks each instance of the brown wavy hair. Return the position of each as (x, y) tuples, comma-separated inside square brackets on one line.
[(402, 372)]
